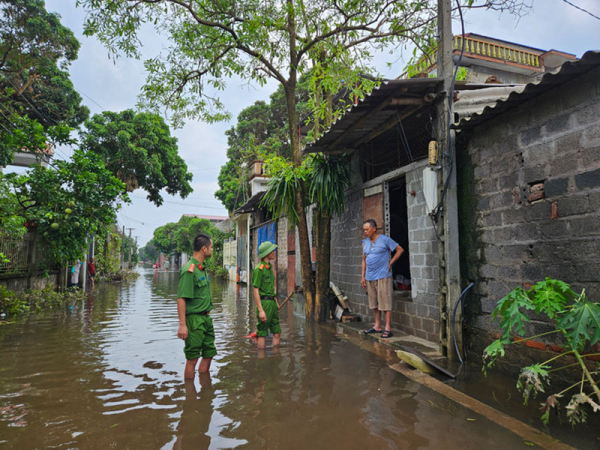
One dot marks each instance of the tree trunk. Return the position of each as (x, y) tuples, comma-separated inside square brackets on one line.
[(323, 244), (305, 254)]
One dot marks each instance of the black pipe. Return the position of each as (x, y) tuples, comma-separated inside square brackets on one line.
[(454, 323)]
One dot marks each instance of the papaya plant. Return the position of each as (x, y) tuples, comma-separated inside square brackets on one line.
[(577, 320)]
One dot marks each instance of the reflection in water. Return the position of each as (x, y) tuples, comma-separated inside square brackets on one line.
[(109, 374), (192, 430)]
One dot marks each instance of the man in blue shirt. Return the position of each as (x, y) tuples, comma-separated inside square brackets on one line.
[(377, 274)]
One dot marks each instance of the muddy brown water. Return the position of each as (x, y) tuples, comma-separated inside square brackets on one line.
[(108, 374)]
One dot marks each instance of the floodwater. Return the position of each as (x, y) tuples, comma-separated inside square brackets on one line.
[(109, 374)]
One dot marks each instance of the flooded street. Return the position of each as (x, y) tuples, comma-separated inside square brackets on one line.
[(109, 374)]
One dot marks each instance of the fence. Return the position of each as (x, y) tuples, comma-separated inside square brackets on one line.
[(230, 253), (25, 256)]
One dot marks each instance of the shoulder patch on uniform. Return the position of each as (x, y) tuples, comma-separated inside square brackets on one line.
[(200, 267), (191, 268), (261, 267), (267, 266)]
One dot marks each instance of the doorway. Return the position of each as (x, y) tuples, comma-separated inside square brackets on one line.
[(399, 231)]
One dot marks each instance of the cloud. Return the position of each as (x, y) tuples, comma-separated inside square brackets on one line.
[(115, 86)]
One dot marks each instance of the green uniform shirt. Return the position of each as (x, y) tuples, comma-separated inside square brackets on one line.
[(264, 279), (195, 288)]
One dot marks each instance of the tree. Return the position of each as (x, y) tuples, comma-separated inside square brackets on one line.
[(139, 150), (149, 252), (67, 202), (165, 238), (39, 103), (35, 51), (214, 39), (260, 133)]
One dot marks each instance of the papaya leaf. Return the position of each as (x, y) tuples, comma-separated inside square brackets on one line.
[(581, 323), (510, 310), (551, 296), (533, 380)]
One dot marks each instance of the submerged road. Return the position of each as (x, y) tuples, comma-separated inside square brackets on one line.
[(109, 374)]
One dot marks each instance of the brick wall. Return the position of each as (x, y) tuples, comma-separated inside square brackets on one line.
[(529, 198)]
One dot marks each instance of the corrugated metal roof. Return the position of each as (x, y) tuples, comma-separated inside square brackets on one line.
[(251, 205), (567, 72), (371, 113)]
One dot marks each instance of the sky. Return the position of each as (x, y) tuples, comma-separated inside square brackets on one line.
[(110, 85)]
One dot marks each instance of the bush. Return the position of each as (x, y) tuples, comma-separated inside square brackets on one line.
[(13, 304)]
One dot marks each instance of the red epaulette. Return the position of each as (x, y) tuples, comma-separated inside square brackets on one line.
[(200, 267), (261, 267), (267, 266), (191, 268)]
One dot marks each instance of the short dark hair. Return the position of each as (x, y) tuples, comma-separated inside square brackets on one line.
[(202, 240), (371, 222)]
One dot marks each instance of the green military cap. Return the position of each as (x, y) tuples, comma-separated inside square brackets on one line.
[(265, 248)]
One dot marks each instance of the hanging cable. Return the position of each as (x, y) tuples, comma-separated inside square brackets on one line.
[(449, 144)]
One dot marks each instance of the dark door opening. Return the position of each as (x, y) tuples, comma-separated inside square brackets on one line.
[(399, 230)]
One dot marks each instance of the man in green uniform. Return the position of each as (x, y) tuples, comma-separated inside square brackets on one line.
[(193, 306), (263, 282)]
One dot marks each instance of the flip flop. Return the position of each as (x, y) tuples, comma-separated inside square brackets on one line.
[(386, 334), (371, 331)]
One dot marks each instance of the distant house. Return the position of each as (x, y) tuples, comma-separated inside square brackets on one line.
[(27, 158), (496, 61), (212, 219)]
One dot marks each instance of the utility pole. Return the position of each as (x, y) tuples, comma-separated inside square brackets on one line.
[(130, 248), (448, 249), (121, 254)]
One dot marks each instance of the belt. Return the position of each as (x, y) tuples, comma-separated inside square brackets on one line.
[(267, 297), (203, 313)]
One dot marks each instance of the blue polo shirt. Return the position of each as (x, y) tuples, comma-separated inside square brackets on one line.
[(378, 257)]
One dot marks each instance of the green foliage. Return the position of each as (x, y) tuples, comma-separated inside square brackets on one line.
[(575, 318), (261, 132), (149, 252), (82, 186), (165, 238), (139, 150), (462, 74), (126, 244), (108, 253), (533, 380), (179, 237), (284, 185), (35, 51), (581, 323), (10, 304), (328, 181), (14, 304)]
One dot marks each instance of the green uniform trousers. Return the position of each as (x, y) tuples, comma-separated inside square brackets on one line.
[(272, 323), (201, 337)]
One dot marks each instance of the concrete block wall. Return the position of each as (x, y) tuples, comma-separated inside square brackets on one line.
[(529, 198), (420, 315), (346, 253), (282, 256)]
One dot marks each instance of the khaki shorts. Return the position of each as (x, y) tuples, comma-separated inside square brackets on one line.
[(380, 294)]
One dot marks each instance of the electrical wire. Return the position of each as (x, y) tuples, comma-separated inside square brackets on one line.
[(406, 146), (449, 142), (581, 9)]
